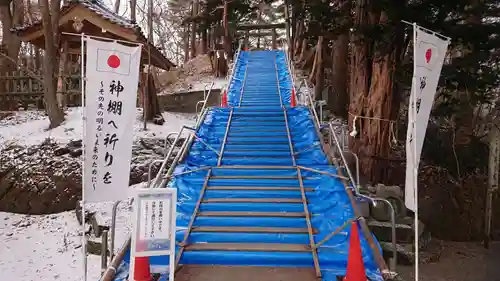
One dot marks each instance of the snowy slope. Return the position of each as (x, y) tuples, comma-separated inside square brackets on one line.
[(30, 127), (48, 247)]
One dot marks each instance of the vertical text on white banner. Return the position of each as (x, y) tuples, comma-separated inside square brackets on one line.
[(430, 52), (112, 76)]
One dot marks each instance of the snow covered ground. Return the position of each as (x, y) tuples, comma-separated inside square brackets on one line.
[(30, 127), (48, 247)]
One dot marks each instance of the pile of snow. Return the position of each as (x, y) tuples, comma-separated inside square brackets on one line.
[(194, 75)]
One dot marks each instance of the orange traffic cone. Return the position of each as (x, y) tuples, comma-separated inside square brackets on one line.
[(293, 103), (355, 265), (224, 99), (142, 271)]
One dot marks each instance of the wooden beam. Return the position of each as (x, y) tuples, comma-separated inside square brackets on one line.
[(30, 36), (255, 34), (260, 26), (118, 30)]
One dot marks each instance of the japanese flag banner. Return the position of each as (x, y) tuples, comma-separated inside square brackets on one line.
[(430, 52), (112, 75)]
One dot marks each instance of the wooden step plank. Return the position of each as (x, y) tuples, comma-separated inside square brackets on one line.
[(262, 188), (252, 200), (252, 214), (256, 177), (252, 155), (256, 229), (248, 247)]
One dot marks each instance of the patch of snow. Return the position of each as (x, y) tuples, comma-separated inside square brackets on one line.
[(43, 248), (203, 84), (219, 83), (30, 127), (48, 247)]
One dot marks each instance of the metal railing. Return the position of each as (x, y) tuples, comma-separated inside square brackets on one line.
[(230, 73), (161, 181), (306, 99)]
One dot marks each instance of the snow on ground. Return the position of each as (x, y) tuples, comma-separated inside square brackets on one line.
[(48, 247), (30, 127)]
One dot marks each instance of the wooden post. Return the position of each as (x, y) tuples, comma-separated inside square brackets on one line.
[(186, 42), (227, 42), (247, 39), (493, 166), (275, 46), (287, 24), (62, 72), (194, 9)]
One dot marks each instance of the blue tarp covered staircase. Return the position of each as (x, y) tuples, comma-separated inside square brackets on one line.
[(254, 196)]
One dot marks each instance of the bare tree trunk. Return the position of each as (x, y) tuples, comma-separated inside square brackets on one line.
[(153, 112), (227, 40), (194, 9), (50, 16), (186, 43), (133, 13), (320, 71), (117, 6), (303, 50), (338, 99), (11, 44), (204, 32), (372, 94)]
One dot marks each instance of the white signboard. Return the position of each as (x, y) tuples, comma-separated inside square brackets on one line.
[(112, 75), (154, 225), (430, 52)]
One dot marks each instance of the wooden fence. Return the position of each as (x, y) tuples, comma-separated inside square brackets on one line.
[(23, 89)]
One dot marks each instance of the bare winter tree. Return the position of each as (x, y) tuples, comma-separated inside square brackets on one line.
[(50, 18), (11, 14)]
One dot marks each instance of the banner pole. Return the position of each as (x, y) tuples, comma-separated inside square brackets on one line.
[(415, 160), (82, 81)]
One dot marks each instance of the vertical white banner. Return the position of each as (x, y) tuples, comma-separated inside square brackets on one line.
[(430, 52), (112, 73)]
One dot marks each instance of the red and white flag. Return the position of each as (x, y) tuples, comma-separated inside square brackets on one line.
[(112, 75), (113, 61), (430, 52)]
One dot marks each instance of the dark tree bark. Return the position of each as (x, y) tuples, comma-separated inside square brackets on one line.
[(133, 14), (319, 71), (50, 17), (204, 32), (194, 9), (11, 44), (338, 99), (372, 90), (153, 111), (186, 43)]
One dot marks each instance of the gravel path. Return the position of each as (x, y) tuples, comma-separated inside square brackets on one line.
[(460, 262)]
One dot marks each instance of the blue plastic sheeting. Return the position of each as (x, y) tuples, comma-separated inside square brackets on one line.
[(258, 136), (244, 143), (261, 70)]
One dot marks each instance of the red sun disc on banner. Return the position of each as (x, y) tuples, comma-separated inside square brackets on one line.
[(113, 61), (428, 55)]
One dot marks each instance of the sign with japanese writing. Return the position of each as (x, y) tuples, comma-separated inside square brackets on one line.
[(153, 232), (430, 52), (112, 74)]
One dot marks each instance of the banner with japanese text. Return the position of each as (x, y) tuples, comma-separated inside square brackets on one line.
[(430, 52), (112, 76)]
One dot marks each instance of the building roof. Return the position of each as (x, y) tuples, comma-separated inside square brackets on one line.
[(31, 32)]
